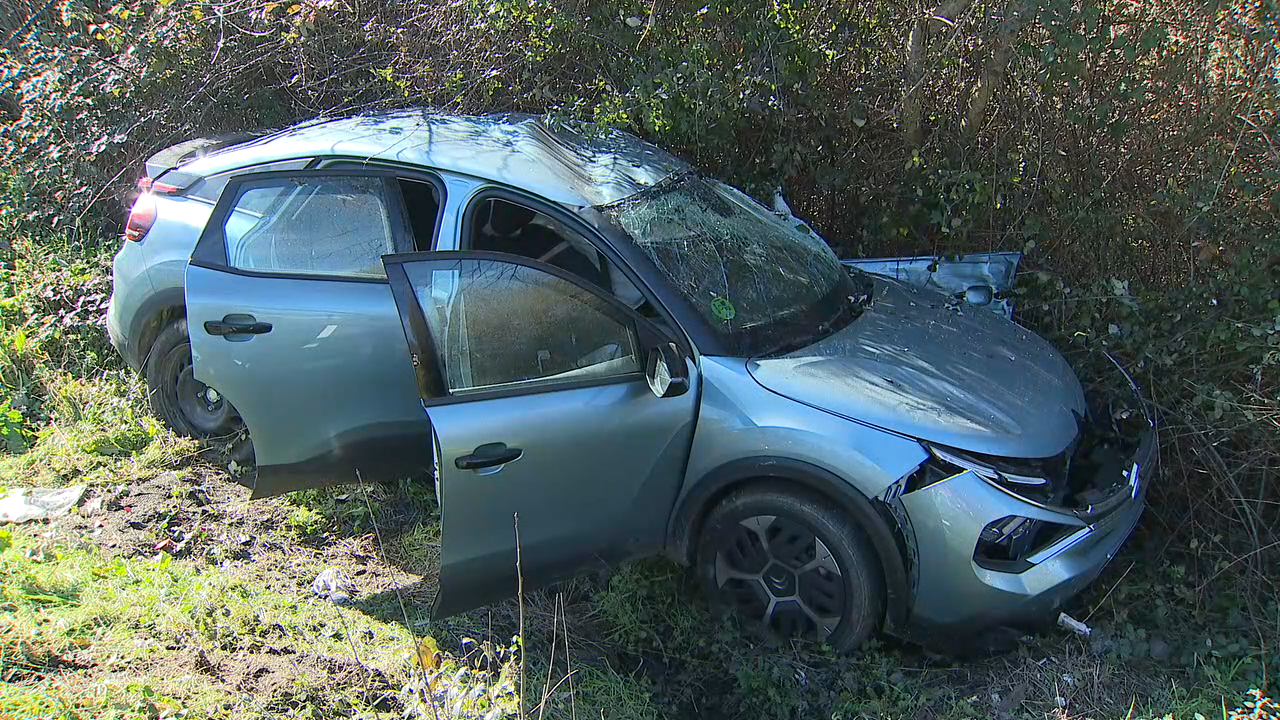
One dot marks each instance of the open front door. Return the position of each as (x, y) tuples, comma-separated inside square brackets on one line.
[(546, 425)]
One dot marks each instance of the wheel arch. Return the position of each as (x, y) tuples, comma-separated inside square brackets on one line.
[(692, 510), (153, 315)]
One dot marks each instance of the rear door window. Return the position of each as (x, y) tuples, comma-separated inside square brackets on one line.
[(317, 225)]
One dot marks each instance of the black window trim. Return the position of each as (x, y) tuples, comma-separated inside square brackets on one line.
[(573, 221), (211, 249), (429, 366), (304, 163)]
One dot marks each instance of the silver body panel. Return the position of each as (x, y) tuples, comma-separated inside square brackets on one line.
[(740, 418), (520, 151), (952, 589), (916, 364), (334, 370), (980, 279), (597, 462)]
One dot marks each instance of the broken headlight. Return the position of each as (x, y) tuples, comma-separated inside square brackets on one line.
[(1041, 481)]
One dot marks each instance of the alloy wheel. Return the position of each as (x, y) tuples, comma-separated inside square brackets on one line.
[(777, 570)]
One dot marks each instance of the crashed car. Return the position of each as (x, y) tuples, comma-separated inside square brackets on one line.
[(619, 357)]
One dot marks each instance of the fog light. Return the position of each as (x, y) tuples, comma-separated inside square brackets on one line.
[(1007, 543), (1008, 538)]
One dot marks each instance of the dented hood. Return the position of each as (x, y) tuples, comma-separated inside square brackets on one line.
[(921, 364)]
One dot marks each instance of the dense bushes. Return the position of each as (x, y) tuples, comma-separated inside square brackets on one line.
[(1129, 148)]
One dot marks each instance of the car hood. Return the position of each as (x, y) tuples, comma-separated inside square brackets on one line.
[(920, 364)]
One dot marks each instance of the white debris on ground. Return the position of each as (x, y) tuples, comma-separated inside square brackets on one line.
[(1066, 622), (21, 505), (333, 585)]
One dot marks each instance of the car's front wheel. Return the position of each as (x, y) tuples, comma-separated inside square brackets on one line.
[(185, 404), (794, 563)]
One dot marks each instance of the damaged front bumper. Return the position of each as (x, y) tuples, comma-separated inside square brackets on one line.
[(989, 548)]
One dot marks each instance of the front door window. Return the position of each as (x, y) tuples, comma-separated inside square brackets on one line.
[(506, 325)]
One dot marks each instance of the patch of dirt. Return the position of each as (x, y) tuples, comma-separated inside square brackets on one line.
[(19, 670), (286, 674), (179, 513), (202, 514)]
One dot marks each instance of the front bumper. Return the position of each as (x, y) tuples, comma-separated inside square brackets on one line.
[(955, 596)]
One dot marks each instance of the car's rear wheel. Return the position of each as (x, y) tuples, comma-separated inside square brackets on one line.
[(185, 404), (793, 563)]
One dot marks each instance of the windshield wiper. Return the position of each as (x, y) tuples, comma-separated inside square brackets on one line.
[(845, 314)]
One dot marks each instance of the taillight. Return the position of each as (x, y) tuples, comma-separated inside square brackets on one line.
[(141, 217), (159, 187), (143, 214)]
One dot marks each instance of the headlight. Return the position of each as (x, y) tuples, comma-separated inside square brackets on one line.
[(1041, 481)]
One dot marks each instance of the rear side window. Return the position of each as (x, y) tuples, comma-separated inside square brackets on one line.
[(317, 225)]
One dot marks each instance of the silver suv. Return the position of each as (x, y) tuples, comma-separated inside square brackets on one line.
[(630, 357)]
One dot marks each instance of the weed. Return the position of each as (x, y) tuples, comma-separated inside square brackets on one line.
[(618, 697), (651, 604), (305, 521)]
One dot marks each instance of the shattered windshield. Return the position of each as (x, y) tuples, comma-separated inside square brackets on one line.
[(761, 284)]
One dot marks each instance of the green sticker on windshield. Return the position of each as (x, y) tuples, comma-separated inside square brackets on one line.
[(723, 309)]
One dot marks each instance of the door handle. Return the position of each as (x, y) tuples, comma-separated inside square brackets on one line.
[(224, 327), (487, 456)]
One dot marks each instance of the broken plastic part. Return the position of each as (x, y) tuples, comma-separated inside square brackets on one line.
[(1066, 622)]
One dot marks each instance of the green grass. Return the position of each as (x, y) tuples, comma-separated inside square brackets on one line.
[(84, 636), (99, 431)]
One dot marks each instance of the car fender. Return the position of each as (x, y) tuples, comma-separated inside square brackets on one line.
[(149, 319), (688, 515)]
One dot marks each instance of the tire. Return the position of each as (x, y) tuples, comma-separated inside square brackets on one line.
[(760, 554), (187, 405)]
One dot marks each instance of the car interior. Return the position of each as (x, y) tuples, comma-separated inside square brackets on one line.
[(506, 227)]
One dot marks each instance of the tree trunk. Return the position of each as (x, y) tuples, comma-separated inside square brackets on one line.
[(994, 71), (924, 26)]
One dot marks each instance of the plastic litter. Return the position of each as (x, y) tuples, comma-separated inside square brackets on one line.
[(25, 504), (333, 585), (1066, 622)]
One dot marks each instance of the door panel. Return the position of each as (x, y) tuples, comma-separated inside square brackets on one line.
[(981, 279), (327, 391), (292, 321), (597, 478), (530, 378)]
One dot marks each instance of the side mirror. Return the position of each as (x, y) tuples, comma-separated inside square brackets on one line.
[(666, 371), (979, 295)]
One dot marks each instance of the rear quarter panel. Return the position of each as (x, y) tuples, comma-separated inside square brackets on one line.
[(167, 248)]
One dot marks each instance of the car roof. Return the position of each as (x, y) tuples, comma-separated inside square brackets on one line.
[(578, 167)]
